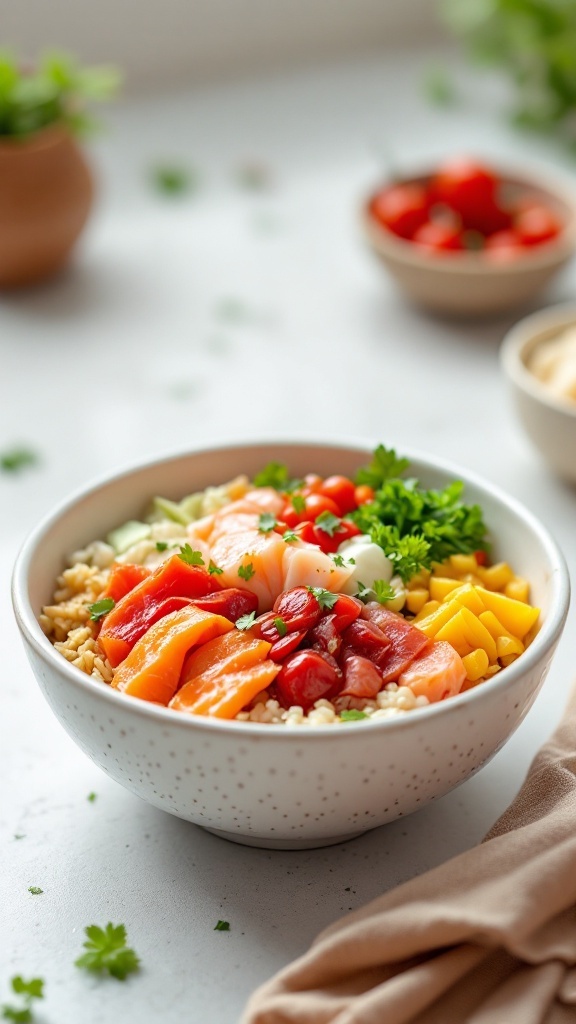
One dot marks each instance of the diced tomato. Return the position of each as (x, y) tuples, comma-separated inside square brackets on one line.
[(481, 557), (123, 579), (231, 603), (537, 224), (298, 608), (325, 636), (468, 188), (365, 638), (438, 237), (361, 678), (401, 208), (363, 494), (304, 678), (286, 645), (346, 610), (342, 491), (406, 642)]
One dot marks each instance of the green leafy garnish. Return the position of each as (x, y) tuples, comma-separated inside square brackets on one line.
[(246, 572), (91, 798), (27, 991), (352, 715), (267, 522), (281, 626), (325, 598), (363, 592), (161, 545), (245, 621), (174, 181), (289, 536), (338, 560), (384, 466), (107, 951), (35, 890), (328, 523), (384, 591), (222, 926), (101, 608), (214, 570), (298, 503), (189, 556), (275, 475), (14, 460)]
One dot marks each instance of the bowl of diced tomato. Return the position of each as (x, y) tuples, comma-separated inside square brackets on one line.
[(290, 643), (467, 238)]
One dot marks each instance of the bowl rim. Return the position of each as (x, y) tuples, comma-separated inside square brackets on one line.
[(548, 254), (33, 635), (526, 335)]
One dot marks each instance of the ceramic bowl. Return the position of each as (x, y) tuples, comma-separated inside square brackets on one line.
[(468, 283), (267, 785), (549, 422)]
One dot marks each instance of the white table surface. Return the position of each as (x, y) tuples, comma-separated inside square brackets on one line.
[(130, 353)]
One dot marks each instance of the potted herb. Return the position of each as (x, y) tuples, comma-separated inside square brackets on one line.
[(46, 187)]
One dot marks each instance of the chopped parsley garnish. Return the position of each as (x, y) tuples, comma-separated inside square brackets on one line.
[(384, 466), (214, 570), (289, 536), (27, 991), (16, 459), (245, 621), (276, 475), (384, 591), (107, 951), (222, 926), (298, 503), (35, 890), (281, 626), (91, 798), (325, 598), (267, 522), (246, 572), (363, 591), (338, 560), (161, 545), (101, 608), (328, 522), (189, 556), (352, 715)]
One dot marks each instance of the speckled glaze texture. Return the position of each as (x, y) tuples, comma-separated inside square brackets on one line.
[(268, 785)]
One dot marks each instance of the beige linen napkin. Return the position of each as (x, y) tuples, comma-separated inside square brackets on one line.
[(489, 937)]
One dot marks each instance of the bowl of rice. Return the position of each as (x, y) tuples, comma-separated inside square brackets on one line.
[(269, 776)]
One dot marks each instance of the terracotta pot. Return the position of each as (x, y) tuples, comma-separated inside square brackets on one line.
[(46, 192)]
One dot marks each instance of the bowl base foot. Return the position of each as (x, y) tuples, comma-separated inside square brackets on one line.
[(265, 843)]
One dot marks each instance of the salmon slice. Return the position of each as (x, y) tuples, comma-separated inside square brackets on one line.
[(223, 696), (437, 673), (226, 653), (407, 642)]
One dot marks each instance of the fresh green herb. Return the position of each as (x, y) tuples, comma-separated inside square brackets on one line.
[(174, 181), (91, 797), (35, 890), (107, 951), (27, 991), (438, 87), (58, 91), (289, 536), (267, 522), (298, 503), (246, 572), (384, 466), (101, 608), (222, 926), (338, 560), (189, 556), (363, 592), (281, 626), (384, 591), (15, 460), (326, 599), (274, 474), (214, 570), (161, 545), (245, 621), (352, 715), (328, 523)]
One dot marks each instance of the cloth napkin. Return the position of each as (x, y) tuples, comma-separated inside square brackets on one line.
[(488, 937)]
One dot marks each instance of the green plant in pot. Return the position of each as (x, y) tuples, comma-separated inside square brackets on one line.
[(46, 187)]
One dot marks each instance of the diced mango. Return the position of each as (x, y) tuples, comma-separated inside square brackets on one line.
[(437, 619), (476, 634), (453, 633), (441, 586), (518, 589), (493, 625), (444, 569), (475, 664), (495, 577), (426, 610), (515, 616), (419, 581), (463, 563), (416, 599), (466, 595), (506, 645)]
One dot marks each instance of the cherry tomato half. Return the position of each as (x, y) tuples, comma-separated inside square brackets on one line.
[(437, 237), (304, 678), (341, 490), (318, 503), (468, 188), (503, 246), (401, 208), (363, 494), (536, 224)]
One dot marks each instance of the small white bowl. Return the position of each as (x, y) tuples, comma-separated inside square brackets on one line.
[(468, 283), (267, 785), (549, 422)]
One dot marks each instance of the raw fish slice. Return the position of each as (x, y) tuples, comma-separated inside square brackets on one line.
[(266, 499), (305, 565), (436, 674), (407, 641), (264, 551)]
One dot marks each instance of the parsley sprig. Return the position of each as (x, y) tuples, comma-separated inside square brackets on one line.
[(189, 556), (27, 991), (101, 608), (326, 599), (107, 951)]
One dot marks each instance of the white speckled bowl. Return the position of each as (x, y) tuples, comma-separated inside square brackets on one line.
[(549, 422), (267, 785)]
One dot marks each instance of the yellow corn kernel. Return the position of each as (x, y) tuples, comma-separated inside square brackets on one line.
[(437, 619), (518, 589), (508, 659), (453, 633), (416, 599), (463, 563), (419, 581), (466, 595), (495, 577), (426, 611), (506, 645), (492, 670), (476, 634), (515, 616), (475, 664), (440, 587), (493, 625)]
